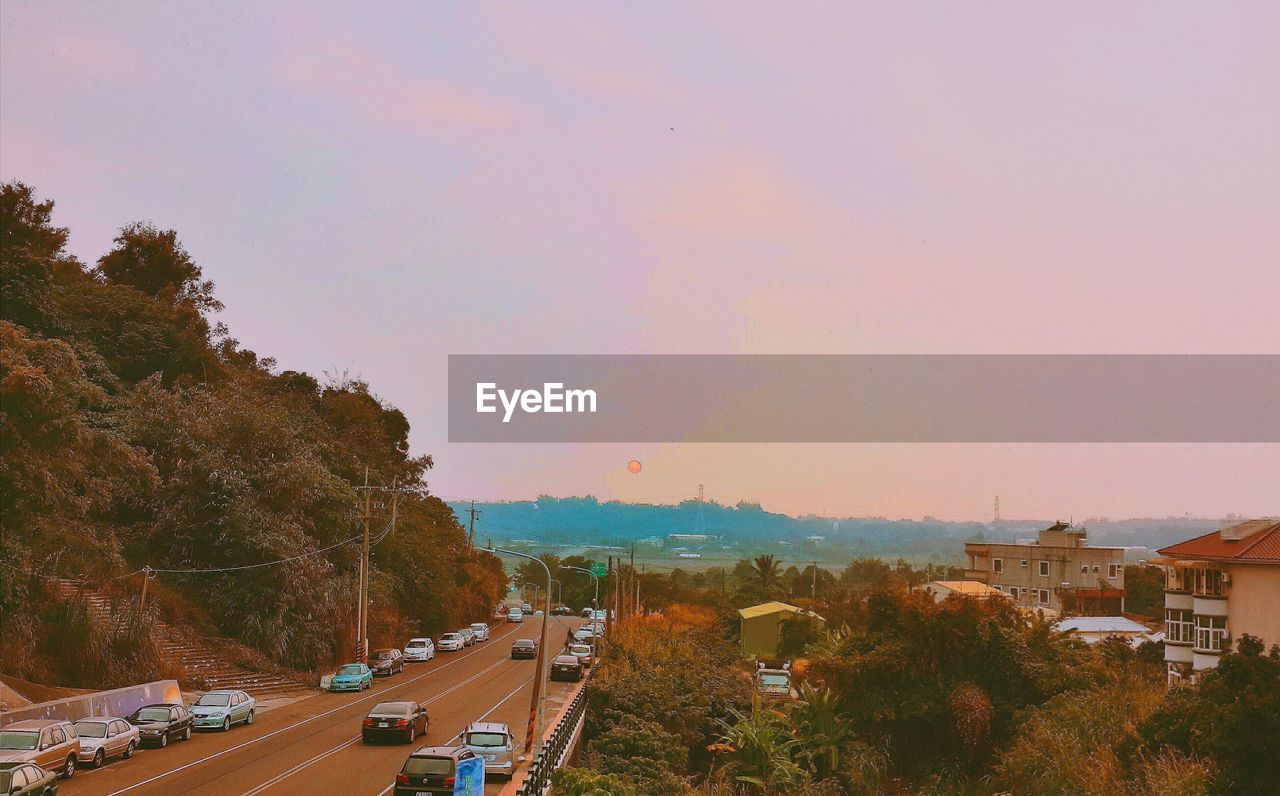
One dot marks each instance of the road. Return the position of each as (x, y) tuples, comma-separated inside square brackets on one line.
[(313, 746)]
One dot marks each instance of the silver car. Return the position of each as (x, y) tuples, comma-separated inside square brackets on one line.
[(104, 737), (493, 742)]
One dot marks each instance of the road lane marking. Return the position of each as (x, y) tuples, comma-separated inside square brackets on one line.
[(295, 725), (285, 775)]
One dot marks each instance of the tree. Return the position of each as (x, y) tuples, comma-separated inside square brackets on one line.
[(765, 571), (821, 730), (758, 748), (154, 262), (1144, 586)]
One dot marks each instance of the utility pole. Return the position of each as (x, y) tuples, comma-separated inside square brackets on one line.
[(815, 580), (537, 702), (471, 534), (146, 577), (362, 587)]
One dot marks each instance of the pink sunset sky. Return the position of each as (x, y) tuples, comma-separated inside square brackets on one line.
[(373, 190)]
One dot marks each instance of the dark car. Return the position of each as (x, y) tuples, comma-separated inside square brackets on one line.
[(159, 724), (26, 779), (566, 667), (401, 720), (562, 610), (524, 648), (388, 661), (436, 769)]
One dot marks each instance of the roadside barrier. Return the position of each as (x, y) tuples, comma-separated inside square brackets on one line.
[(558, 746), (116, 702)]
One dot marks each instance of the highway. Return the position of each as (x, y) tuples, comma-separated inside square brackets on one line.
[(313, 746)]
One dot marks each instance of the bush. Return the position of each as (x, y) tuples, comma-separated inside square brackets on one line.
[(584, 782)]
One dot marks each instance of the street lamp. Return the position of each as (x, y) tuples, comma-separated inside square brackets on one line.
[(595, 602), (537, 701)]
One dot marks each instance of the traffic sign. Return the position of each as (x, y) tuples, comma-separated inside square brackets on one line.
[(599, 569)]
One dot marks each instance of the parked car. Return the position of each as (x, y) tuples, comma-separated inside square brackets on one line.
[(527, 608), (222, 709), (51, 744), (598, 629), (524, 648), (582, 652), (481, 630), (403, 720), (352, 677), (566, 667), (587, 612), (583, 635), (494, 742), (26, 779), (468, 636), (598, 615), (515, 615), (451, 642), (104, 737), (161, 723), (436, 769), (419, 649), (387, 661), (561, 610)]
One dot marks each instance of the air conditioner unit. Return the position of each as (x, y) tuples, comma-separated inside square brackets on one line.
[(1065, 584), (1226, 577)]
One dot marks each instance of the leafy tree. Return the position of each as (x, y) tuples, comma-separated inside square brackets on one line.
[(585, 782), (1144, 586), (765, 572), (821, 730), (154, 262), (758, 747), (641, 752)]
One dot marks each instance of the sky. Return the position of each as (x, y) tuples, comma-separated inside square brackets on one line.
[(374, 189)]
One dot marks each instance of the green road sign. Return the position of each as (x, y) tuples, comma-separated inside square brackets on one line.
[(599, 569)]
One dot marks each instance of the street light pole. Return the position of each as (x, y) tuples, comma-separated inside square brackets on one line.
[(537, 705), (596, 602)]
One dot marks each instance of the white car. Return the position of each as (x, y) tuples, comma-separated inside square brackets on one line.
[(515, 615), (103, 737), (451, 642), (482, 631), (419, 650)]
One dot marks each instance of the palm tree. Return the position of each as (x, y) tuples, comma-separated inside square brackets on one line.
[(820, 729), (760, 746), (765, 570)]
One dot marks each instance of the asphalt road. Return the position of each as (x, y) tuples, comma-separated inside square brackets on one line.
[(313, 746)]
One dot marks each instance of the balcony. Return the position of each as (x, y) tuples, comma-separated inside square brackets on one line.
[(977, 574), (1178, 599)]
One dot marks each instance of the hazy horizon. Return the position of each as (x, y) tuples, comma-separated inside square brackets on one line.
[(374, 191)]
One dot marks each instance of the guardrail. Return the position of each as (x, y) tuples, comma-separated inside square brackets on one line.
[(116, 702), (552, 754)]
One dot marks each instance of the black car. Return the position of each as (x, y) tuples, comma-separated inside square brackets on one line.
[(401, 720), (566, 667), (434, 769), (388, 662), (161, 723), (562, 610), (27, 779), (524, 648)]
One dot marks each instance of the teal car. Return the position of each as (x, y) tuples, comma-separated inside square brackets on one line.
[(352, 677), (218, 710)]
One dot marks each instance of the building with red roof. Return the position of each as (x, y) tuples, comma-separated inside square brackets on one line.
[(1219, 587)]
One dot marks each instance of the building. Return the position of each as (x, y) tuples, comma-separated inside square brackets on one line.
[(1057, 571), (942, 589), (1219, 587), (762, 626), (1092, 629)]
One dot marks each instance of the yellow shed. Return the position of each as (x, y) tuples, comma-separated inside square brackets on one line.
[(762, 626)]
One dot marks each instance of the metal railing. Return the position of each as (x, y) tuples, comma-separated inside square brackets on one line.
[(547, 760)]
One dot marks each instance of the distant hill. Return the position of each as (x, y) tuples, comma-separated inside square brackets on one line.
[(587, 521)]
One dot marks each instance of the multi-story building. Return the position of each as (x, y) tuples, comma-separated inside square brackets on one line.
[(1058, 571), (1219, 587)]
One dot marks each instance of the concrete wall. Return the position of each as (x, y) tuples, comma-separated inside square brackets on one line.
[(118, 702), (1253, 602), (761, 634)]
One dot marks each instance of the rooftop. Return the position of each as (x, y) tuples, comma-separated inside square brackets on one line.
[(764, 609), (971, 587), (1100, 624), (1252, 540)]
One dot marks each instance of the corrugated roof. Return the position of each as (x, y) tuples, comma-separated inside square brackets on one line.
[(1254, 540), (764, 609), (971, 587), (1100, 624)]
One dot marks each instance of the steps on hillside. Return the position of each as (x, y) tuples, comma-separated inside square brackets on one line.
[(203, 660)]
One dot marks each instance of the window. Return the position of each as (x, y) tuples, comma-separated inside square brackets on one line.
[(1044, 596), (1023, 563), (1208, 582), (1084, 567), (1211, 633), (57, 736), (997, 565), (1096, 568), (1113, 571), (1013, 590), (998, 587), (1178, 625), (1044, 569)]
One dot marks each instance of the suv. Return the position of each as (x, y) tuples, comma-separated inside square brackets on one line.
[(481, 630), (159, 724), (387, 661), (437, 769), (51, 744), (27, 779), (419, 649), (494, 742)]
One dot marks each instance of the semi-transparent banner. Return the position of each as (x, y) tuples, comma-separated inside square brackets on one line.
[(864, 398)]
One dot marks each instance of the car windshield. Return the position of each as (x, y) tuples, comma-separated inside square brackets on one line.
[(432, 766), (566, 660), (384, 655), (486, 739), (478, 626), (522, 644), (775, 679), (580, 649), (450, 637), (20, 741), (214, 700), (153, 714), (350, 668), (398, 708), (413, 645), (91, 729)]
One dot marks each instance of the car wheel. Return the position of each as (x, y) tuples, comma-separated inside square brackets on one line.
[(164, 740), (409, 735), (249, 719), (226, 723), (130, 749), (99, 758), (69, 770), (186, 734)]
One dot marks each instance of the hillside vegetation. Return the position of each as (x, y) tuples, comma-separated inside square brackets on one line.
[(136, 431)]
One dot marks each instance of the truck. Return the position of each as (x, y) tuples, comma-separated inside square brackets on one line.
[(773, 680)]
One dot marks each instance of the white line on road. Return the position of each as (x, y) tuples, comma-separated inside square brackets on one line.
[(293, 726)]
